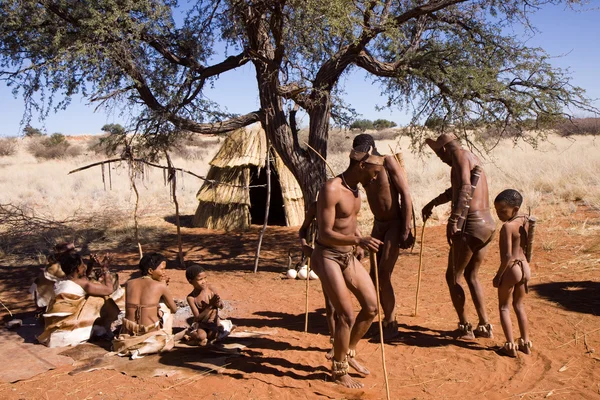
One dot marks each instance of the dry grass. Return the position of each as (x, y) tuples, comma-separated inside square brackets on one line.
[(561, 174), (8, 146)]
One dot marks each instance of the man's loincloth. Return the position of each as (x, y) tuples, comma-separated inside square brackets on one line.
[(381, 228), (342, 258), (481, 225)]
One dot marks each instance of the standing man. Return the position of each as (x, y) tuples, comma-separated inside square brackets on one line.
[(334, 260), (468, 237), (391, 206)]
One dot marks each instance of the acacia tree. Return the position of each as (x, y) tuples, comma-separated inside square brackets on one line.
[(449, 60)]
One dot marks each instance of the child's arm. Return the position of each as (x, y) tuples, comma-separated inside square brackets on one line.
[(192, 302), (168, 298), (215, 300), (505, 252)]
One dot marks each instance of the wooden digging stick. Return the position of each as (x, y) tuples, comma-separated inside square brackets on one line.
[(420, 265), (373, 256), (306, 305), (307, 279)]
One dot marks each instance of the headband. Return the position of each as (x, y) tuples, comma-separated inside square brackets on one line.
[(366, 157)]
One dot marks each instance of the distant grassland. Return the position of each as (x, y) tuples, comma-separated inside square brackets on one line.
[(563, 172)]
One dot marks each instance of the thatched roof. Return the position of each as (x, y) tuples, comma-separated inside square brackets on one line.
[(242, 147), (225, 203)]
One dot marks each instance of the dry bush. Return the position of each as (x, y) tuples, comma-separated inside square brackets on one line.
[(385, 134), (103, 145), (578, 126), (54, 147), (8, 146), (340, 141)]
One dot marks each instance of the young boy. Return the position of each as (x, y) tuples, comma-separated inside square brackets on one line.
[(147, 324), (205, 304), (513, 274)]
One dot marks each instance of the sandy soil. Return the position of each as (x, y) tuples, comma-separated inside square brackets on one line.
[(425, 363)]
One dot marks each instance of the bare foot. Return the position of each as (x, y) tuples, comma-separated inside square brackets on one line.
[(509, 349), (347, 381), (484, 331), (329, 354), (524, 346), (357, 366), (465, 332)]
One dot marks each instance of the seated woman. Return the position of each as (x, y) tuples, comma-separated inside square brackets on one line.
[(42, 289), (80, 307), (147, 326)]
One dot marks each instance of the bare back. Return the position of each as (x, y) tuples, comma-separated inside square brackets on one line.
[(145, 293)]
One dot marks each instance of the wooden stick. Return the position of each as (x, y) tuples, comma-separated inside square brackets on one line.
[(322, 158), (267, 206), (137, 201), (173, 177), (420, 265), (374, 265), (11, 314), (306, 305)]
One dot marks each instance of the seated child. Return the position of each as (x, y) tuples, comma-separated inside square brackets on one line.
[(205, 304), (513, 274), (147, 324)]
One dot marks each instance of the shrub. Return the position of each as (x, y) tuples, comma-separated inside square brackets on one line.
[(385, 134), (380, 124), (362, 124), (578, 126), (30, 131), (54, 147), (8, 147), (112, 143)]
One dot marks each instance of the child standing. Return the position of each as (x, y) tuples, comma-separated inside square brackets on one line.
[(514, 272), (205, 304)]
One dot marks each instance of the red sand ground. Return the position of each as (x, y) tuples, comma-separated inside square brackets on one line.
[(426, 363)]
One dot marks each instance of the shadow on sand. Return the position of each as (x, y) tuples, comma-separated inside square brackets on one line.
[(581, 297)]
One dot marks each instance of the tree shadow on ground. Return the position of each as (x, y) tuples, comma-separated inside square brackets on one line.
[(31, 326), (250, 361), (415, 335), (254, 363), (185, 221), (273, 319), (580, 296)]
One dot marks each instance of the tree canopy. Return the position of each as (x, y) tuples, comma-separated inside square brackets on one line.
[(451, 61)]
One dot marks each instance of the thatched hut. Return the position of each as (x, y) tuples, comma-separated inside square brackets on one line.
[(229, 200)]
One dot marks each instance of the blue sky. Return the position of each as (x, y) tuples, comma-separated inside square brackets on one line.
[(572, 36)]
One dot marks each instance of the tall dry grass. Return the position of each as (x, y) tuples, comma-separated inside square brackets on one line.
[(45, 186), (562, 173)]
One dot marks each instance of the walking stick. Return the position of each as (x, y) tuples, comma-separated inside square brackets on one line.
[(374, 265), (307, 279), (420, 265), (306, 306)]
